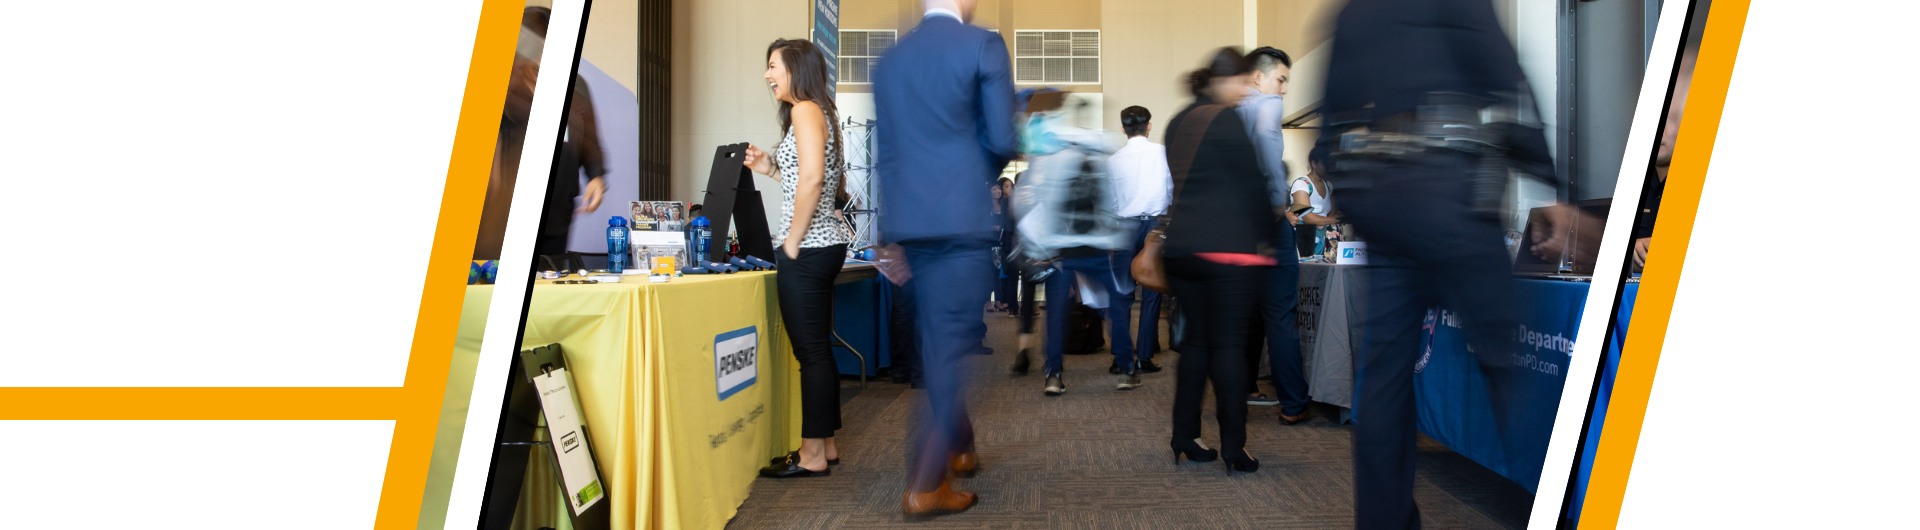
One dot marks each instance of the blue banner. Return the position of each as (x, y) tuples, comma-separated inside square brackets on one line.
[(862, 317), (1451, 390), (826, 35), (1628, 293)]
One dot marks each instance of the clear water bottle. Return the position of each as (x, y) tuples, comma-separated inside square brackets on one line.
[(617, 244), (700, 237)]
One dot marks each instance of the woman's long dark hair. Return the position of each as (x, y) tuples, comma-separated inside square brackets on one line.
[(1225, 62), (808, 82)]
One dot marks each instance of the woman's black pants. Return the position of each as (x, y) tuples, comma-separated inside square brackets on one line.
[(805, 288), (1218, 302)]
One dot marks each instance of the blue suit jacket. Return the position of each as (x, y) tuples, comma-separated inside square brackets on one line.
[(944, 100)]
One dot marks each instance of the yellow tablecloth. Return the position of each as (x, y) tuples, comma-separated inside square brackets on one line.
[(671, 452)]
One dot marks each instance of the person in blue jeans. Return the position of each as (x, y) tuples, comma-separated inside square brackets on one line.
[(1099, 266), (1149, 335), (1274, 331), (1142, 188)]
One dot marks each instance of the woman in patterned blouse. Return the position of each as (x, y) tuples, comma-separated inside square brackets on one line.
[(810, 166)]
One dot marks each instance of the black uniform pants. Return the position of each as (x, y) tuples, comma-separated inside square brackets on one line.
[(1426, 248)]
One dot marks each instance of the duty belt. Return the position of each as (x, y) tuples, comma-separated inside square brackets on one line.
[(1431, 132)]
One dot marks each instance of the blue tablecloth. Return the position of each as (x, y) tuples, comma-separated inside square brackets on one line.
[(1628, 293), (1452, 394), (860, 316)]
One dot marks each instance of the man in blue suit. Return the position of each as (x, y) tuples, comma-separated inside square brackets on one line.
[(944, 97)]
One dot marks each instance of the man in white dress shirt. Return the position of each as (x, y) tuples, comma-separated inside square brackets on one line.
[(1142, 187)]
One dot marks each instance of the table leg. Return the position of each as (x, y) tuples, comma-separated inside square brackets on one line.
[(837, 341)]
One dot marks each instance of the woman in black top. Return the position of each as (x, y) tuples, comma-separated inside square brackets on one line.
[(1217, 252)]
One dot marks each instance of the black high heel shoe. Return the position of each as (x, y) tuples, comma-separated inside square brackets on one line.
[(1192, 451), (1245, 462)]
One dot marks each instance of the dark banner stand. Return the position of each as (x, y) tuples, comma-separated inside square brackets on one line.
[(518, 422), (730, 196)]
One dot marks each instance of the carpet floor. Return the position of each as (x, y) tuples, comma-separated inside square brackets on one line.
[(1097, 458)]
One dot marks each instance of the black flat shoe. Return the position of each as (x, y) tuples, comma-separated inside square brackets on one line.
[(1022, 363), (1146, 367), (793, 457), (1243, 462), (785, 470)]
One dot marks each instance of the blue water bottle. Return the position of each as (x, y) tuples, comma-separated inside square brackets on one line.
[(700, 236), (617, 244)]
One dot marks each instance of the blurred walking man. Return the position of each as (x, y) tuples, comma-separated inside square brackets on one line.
[(945, 92), (1406, 68)]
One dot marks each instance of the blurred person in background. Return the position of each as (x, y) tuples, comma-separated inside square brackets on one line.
[(1073, 225), (1312, 190), (1433, 235), (1669, 133), (513, 135), (1274, 331), (1020, 199), (906, 350), (813, 242), (945, 91), (1218, 253), (580, 151), (1009, 247), (1004, 298), (1142, 186)]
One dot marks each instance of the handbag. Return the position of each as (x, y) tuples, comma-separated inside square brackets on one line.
[(1149, 267)]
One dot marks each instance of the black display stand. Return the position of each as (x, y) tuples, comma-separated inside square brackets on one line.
[(518, 421), (730, 196)]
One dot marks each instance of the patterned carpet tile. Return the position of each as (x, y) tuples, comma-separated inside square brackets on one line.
[(1097, 458)]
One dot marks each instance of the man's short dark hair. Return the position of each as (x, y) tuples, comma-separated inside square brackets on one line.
[(1265, 57), (1134, 119)]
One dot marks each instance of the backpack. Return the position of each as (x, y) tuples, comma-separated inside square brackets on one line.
[(1086, 330), (1071, 200)]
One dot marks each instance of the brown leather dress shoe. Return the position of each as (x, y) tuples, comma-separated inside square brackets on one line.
[(964, 464), (1290, 420), (941, 501)]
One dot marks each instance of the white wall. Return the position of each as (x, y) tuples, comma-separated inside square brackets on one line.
[(1148, 47), (1610, 62), (1535, 32), (718, 95), (617, 115), (1534, 28)]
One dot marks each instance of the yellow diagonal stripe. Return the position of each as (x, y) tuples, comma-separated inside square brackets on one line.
[(415, 407), (445, 288), (1640, 355)]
